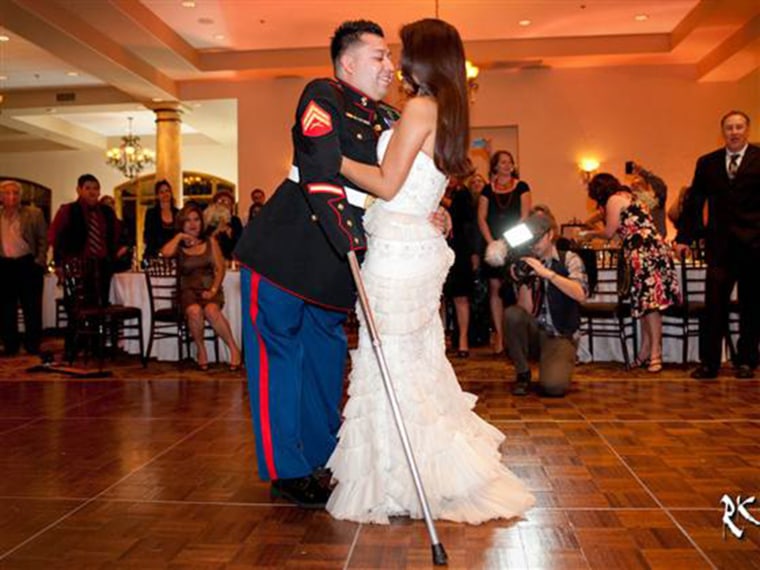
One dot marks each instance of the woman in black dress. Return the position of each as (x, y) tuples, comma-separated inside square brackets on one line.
[(462, 240), (502, 204), (159, 225)]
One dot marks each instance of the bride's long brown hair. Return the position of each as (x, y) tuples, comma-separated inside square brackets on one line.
[(433, 63)]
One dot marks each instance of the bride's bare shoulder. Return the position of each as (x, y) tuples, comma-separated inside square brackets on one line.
[(422, 107), (420, 114)]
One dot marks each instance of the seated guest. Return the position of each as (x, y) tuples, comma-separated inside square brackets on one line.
[(227, 233), (87, 230), (159, 226), (258, 198), (201, 272), (123, 260), (23, 256), (546, 318)]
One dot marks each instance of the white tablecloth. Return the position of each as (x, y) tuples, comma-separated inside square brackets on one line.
[(609, 350), (50, 292), (130, 289)]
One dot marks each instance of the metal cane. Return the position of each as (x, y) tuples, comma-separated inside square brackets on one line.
[(439, 554)]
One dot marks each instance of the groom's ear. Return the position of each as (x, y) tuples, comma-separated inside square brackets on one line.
[(347, 62)]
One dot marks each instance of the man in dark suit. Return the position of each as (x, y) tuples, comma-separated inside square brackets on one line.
[(88, 231), (728, 180), (296, 285)]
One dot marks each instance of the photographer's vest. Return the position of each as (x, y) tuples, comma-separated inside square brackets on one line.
[(565, 312)]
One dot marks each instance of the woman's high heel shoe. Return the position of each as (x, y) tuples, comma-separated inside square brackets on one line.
[(655, 365), (640, 363), (235, 366)]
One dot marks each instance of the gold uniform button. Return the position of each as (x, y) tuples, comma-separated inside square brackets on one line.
[(364, 101), (356, 240), (313, 217), (360, 136), (349, 223), (340, 207)]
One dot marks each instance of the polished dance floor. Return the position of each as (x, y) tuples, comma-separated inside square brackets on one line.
[(156, 470)]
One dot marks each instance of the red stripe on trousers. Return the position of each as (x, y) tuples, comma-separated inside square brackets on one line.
[(266, 427)]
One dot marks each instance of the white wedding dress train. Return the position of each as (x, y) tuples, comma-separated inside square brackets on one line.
[(456, 451)]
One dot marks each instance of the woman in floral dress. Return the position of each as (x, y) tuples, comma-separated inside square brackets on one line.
[(654, 280)]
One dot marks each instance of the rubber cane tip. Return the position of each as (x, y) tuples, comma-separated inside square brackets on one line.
[(439, 555)]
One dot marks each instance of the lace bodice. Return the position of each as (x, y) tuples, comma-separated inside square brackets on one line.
[(423, 188)]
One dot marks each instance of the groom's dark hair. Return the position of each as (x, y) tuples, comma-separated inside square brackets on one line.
[(349, 33)]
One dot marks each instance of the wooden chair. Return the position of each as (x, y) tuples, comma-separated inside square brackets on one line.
[(611, 317), (688, 313), (166, 318), (90, 316)]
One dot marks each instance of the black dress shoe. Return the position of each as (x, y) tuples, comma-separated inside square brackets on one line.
[(744, 372), (306, 492), (704, 373), (522, 384)]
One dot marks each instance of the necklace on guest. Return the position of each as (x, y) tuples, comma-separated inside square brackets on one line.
[(498, 187)]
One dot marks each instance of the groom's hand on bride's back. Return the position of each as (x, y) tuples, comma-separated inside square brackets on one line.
[(441, 220)]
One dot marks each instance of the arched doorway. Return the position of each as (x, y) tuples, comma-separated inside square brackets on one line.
[(134, 197)]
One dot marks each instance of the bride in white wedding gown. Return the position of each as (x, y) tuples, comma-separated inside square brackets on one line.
[(406, 264)]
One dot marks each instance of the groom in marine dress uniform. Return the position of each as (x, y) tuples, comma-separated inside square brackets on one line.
[(296, 284)]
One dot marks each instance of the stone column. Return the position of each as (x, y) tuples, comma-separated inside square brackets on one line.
[(169, 147)]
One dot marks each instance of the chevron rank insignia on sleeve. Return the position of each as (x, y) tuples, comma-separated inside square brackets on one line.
[(315, 121)]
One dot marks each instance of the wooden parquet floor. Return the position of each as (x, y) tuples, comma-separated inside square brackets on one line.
[(156, 469)]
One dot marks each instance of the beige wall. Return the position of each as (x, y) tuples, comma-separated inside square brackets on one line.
[(660, 117)]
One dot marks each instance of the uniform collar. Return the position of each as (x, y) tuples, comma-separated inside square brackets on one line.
[(356, 96)]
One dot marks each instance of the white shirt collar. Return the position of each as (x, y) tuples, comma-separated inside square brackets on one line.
[(739, 152)]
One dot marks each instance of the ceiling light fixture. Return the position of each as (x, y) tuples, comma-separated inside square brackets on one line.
[(219, 36), (641, 17), (588, 167), (129, 158), (4, 38), (72, 73), (525, 23), (188, 4)]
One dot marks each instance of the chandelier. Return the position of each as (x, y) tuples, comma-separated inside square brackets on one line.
[(130, 157)]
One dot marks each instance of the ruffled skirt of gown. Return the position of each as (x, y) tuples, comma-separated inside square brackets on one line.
[(457, 452)]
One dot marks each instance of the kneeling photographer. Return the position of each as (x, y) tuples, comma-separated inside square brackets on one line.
[(551, 284)]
